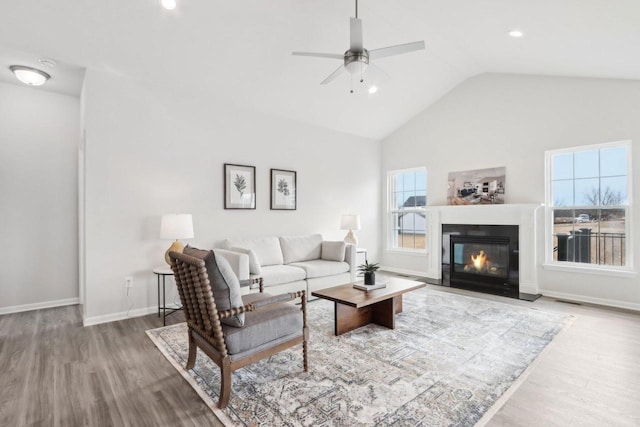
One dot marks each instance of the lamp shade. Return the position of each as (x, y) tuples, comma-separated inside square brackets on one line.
[(350, 222), (176, 226)]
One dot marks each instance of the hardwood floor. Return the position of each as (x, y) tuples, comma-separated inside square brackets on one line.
[(54, 372)]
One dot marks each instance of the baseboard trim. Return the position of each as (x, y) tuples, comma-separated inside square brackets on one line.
[(408, 272), (39, 305), (114, 317), (592, 300)]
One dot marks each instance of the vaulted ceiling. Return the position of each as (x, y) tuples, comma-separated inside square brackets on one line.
[(240, 51)]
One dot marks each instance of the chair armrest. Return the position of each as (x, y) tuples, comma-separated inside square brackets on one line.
[(239, 262), (279, 298), (255, 305), (350, 258), (235, 310)]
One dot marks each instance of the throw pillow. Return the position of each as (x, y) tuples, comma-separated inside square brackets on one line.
[(225, 285), (334, 251), (254, 262)]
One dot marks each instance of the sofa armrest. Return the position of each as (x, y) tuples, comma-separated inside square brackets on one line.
[(239, 262), (350, 258)]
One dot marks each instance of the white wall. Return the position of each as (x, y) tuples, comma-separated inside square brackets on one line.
[(151, 152), (39, 133), (508, 120)]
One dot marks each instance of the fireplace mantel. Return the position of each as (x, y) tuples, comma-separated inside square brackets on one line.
[(523, 215)]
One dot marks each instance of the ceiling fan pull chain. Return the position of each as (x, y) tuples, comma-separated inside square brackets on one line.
[(351, 81)]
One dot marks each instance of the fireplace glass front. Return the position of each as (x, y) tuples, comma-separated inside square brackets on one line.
[(483, 258)]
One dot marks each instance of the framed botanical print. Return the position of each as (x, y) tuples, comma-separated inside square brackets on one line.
[(283, 190), (239, 186)]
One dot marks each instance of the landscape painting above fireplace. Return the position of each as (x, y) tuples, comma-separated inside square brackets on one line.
[(480, 186)]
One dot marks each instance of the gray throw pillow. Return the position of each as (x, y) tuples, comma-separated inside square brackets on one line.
[(225, 285), (334, 251), (254, 262)]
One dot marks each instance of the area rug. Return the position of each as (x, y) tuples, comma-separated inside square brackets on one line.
[(448, 361)]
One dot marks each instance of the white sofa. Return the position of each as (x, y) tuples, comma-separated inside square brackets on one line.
[(292, 263)]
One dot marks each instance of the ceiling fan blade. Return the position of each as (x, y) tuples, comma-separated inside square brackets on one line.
[(333, 75), (395, 50), (319, 55), (357, 44)]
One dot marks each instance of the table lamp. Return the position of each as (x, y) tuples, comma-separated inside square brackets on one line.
[(350, 222), (176, 226)]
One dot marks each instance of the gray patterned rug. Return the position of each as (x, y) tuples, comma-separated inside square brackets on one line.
[(446, 363)]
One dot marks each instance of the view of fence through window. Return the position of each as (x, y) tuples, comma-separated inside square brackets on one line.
[(407, 200), (590, 204)]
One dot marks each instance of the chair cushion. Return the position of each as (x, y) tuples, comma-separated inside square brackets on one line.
[(301, 248), (321, 268), (334, 251), (225, 285), (277, 274), (264, 325), (267, 249), (254, 262)]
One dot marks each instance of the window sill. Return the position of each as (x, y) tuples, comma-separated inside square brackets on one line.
[(407, 252), (630, 274)]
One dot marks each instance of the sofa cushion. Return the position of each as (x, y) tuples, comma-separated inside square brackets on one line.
[(278, 274), (301, 248), (334, 251), (267, 249), (254, 262), (264, 325), (321, 268), (225, 285)]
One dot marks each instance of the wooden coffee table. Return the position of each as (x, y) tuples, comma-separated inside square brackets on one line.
[(355, 308)]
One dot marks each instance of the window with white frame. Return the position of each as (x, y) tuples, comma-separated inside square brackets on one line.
[(588, 195), (407, 217)]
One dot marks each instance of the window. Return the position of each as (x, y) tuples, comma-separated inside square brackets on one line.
[(407, 202), (588, 198)]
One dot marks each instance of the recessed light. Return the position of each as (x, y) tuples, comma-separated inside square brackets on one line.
[(169, 4), (373, 89), (30, 76), (516, 33)]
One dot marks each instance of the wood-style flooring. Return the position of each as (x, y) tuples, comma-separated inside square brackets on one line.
[(55, 372)]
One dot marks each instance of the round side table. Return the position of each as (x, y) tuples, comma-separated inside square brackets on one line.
[(163, 272)]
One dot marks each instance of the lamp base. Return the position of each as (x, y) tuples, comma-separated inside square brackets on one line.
[(351, 239), (176, 246)]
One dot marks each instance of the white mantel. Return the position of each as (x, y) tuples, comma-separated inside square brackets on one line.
[(523, 215)]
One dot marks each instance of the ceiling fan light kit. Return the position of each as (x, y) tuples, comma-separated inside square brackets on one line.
[(357, 59)]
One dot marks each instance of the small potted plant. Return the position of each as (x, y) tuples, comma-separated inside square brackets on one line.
[(369, 271)]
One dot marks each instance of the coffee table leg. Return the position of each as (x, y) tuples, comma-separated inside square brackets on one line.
[(383, 313), (398, 300), (348, 318)]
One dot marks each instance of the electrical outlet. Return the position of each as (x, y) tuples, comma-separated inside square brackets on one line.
[(128, 282)]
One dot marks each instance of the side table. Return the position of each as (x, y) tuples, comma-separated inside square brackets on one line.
[(164, 272), (362, 251)]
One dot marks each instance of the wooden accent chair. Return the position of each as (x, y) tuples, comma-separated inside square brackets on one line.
[(270, 323)]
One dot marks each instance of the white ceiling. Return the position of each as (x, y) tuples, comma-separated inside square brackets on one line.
[(240, 51)]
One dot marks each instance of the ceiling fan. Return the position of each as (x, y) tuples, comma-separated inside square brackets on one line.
[(357, 59)]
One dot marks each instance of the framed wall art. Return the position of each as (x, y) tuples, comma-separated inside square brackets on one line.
[(239, 186), (283, 190), (481, 186)]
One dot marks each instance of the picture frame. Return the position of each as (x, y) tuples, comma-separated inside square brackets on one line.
[(480, 186), (284, 190), (239, 186)]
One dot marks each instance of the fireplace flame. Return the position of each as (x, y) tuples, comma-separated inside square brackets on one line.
[(480, 262)]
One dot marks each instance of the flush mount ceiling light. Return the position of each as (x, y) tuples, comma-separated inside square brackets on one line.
[(169, 4), (30, 76), (516, 33)]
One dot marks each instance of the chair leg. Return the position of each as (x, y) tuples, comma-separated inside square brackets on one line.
[(193, 348), (225, 383), (305, 345)]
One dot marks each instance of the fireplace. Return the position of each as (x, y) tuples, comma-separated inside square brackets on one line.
[(482, 258)]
